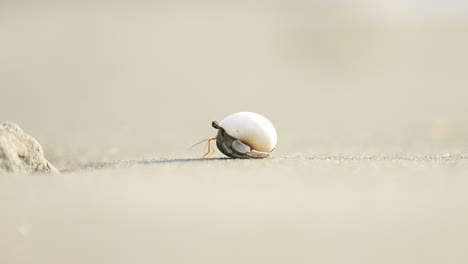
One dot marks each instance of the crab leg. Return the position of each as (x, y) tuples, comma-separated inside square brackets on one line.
[(209, 149)]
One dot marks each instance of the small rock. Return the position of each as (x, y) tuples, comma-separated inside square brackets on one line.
[(20, 153)]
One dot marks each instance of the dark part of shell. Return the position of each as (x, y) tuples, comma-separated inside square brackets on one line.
[(224, 143)]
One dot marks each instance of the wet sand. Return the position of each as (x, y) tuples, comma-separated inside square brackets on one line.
[(370, 111)]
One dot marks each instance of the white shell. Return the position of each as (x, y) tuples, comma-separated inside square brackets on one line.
[(252, 129)]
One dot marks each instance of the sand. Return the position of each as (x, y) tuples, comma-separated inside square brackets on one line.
[(369, 106)]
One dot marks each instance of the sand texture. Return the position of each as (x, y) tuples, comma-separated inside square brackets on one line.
[(369, 102)]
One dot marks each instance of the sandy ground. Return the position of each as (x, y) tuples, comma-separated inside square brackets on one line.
[(369, 103)]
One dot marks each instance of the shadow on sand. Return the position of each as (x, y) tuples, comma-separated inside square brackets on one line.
[(341, 158), (129, 163)]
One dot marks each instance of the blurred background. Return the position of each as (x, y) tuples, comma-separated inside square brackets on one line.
[(103, 81), (126, 79)]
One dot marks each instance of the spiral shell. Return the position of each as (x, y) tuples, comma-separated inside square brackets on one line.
[(246, 135)]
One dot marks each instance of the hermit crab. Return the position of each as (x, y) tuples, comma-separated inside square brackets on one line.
[(244, 135)]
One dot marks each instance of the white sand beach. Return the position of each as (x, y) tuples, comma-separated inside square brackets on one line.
[(369, 102)]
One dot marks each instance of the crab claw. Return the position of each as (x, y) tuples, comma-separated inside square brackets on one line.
[(258, 154), (246, 151), (240, 147)]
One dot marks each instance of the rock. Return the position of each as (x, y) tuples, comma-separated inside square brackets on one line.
[(20, 153)]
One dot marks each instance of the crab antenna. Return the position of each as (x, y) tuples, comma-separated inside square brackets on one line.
[(199, 143)]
